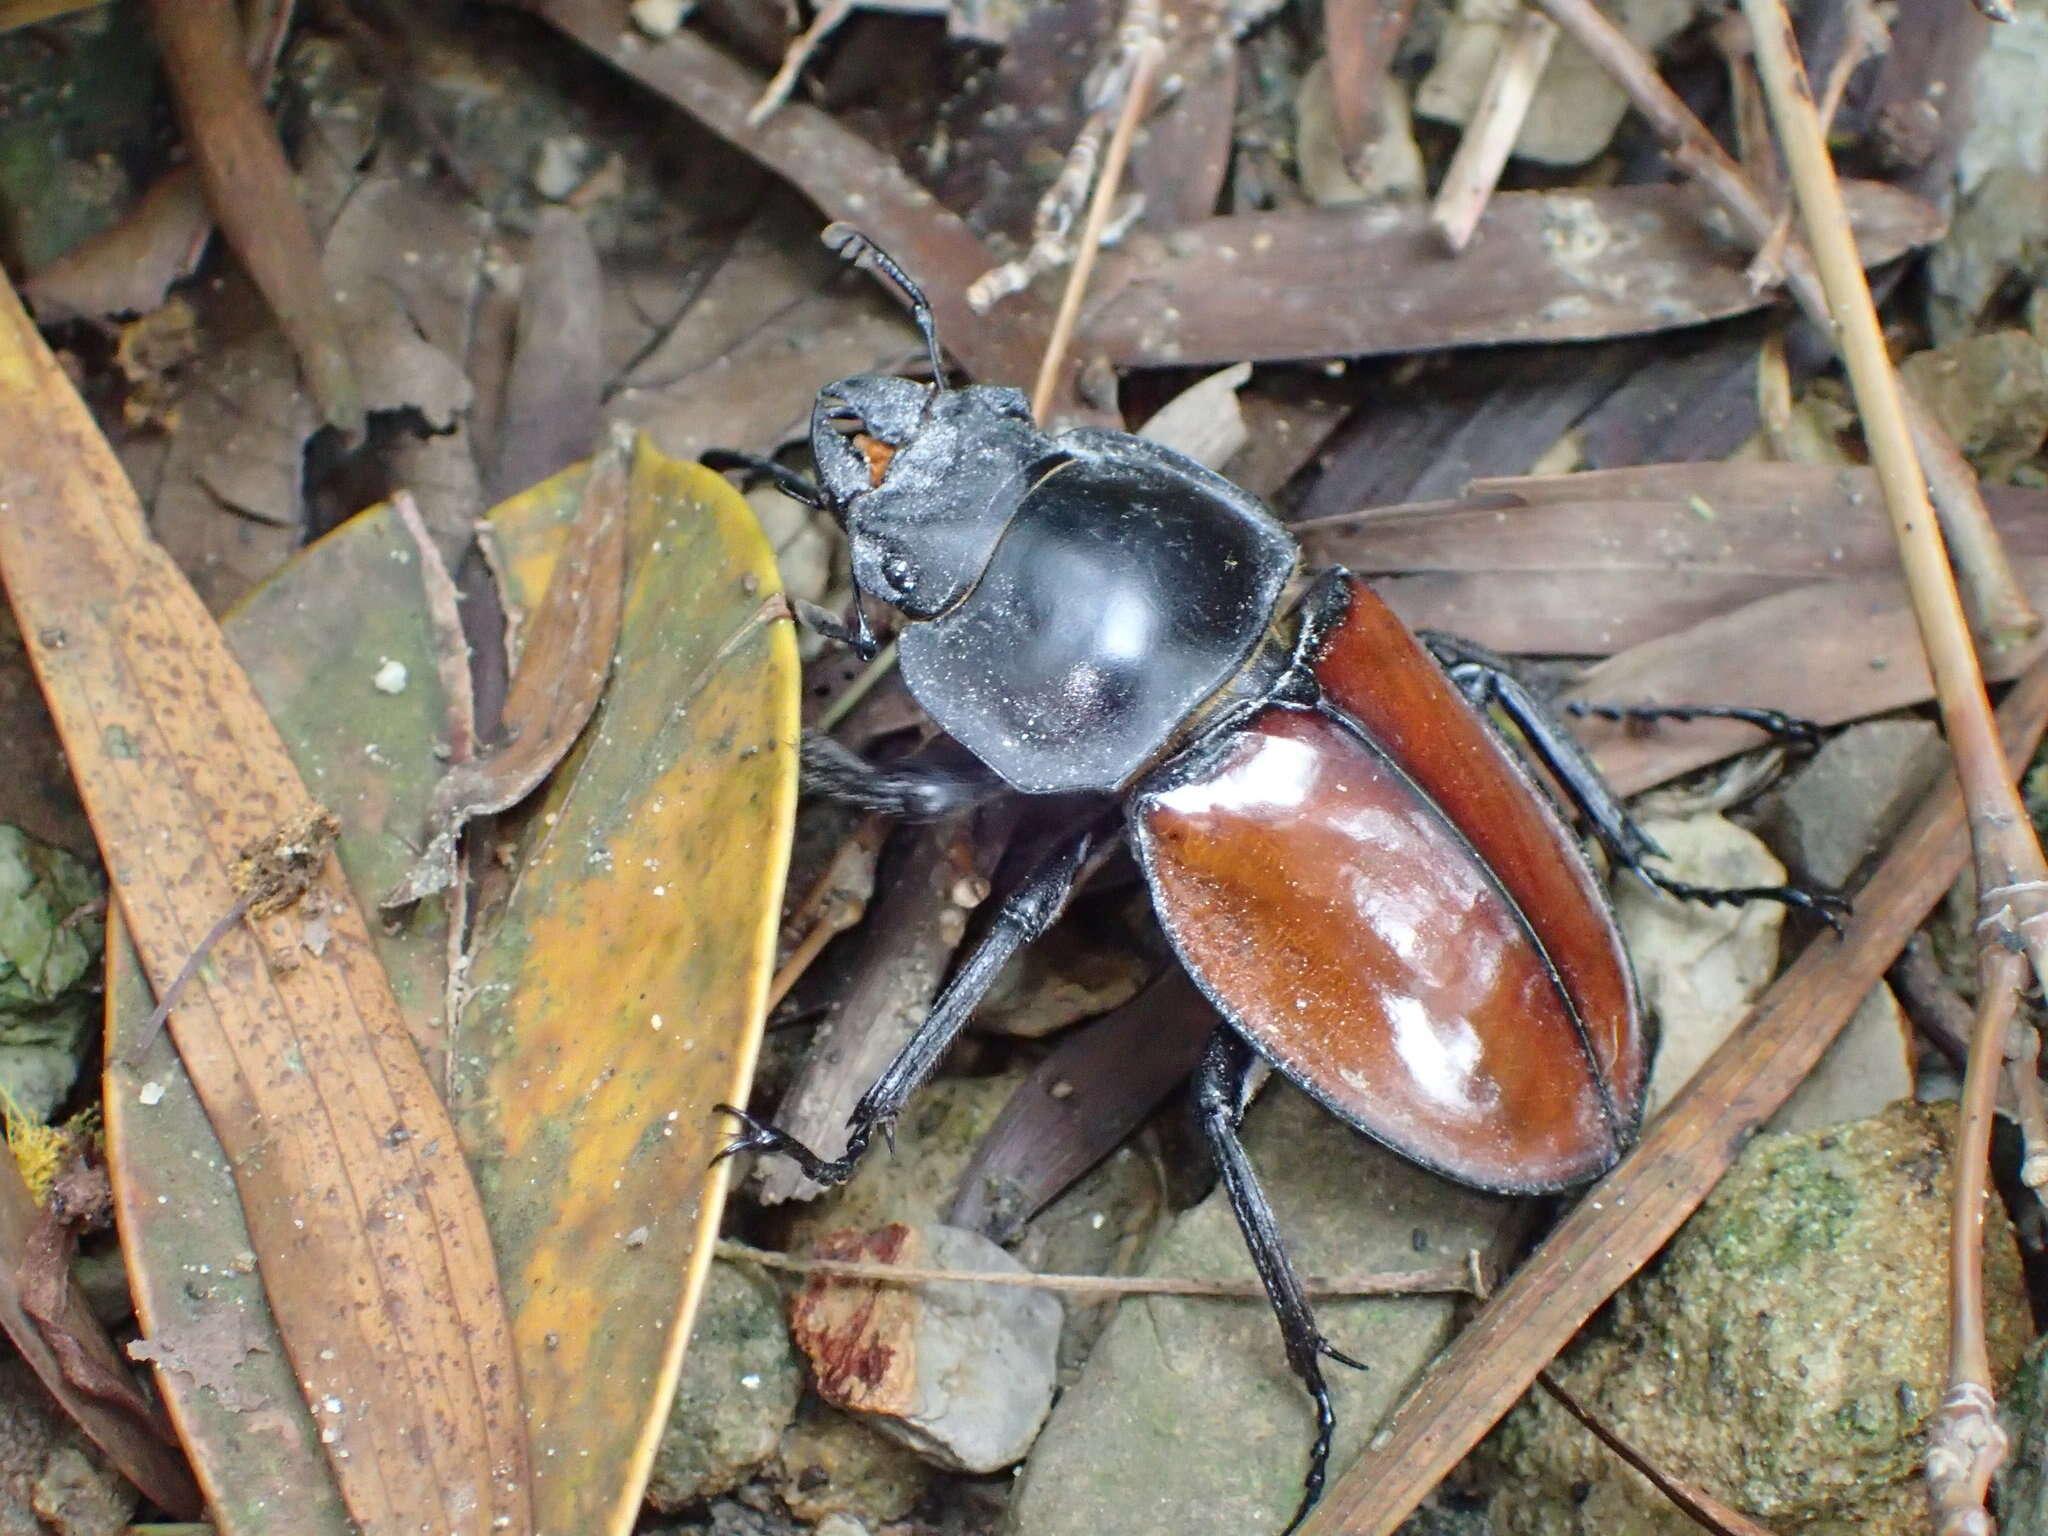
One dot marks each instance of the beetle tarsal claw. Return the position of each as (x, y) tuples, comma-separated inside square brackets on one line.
[(1325, 1347), (759, 1136)]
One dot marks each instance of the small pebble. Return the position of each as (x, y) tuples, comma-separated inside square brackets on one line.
[(391, 677), (559, 168), (151, 1093), (660, 18)]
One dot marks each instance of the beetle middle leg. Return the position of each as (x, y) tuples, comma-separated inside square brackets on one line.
[(913, 791), (1487, 680), (1221, 1088), (1026, 913)]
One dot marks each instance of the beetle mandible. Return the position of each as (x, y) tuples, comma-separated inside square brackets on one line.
[(1354, 867)]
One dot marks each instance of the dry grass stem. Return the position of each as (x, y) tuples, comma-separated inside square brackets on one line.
[(1708, 1512), (1468, 1279), (1965, 1442), (1146, 50), (1999, 604), (836, 901), (2008, 855), (2023, 1067), (822, 26), (1496, 124), (1866, 36)]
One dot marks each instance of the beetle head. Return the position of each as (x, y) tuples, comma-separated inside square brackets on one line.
[(925, 478)]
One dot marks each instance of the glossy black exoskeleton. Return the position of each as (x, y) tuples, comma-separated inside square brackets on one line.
[(1355, 870)]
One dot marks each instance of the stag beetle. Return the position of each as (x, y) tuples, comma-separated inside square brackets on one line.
[(1353, 866)]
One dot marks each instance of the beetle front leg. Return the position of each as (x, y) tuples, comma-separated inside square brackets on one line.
[(1025, 914), (853, 631), (787, 480), (1222, 1085), (1487, 680)]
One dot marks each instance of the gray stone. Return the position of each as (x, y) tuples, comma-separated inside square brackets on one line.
[(1577, 104), (1186, 1418), (2001, 232), (51, 1477), (1865, 1070), (1390, 168), (738, 1391), (833, 1464), (1699, 967), (1784, 1354), (1099, 1227), (1990, 392), (1844, 806), (960, 1372), (2008, 109)]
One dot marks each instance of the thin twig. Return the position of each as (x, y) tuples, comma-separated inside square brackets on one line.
[(2023, 1066), (827, 21), (1146, 51), (1964, 1441), (2002, 611), (1496, 123), (851, 695), (1467, 1279), (1695, 1502), (1866, 35), (836, 901), (249, 187), (153, 1025)]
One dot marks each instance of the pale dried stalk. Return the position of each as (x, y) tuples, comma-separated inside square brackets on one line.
[(1146, 50), (822, 26), (1468, 1279), (1965, 1443), (1754, 147), (1496, 123), (1866, 35), (2023, 1068), (2002, 612)]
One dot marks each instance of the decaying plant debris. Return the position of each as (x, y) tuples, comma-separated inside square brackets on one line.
[(1694, 354)]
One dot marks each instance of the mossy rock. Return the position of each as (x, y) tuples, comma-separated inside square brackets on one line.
[(1784, 1353)]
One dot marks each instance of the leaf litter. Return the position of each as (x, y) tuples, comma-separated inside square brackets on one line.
[(517, 269)]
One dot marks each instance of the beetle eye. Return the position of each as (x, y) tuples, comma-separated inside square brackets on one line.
[(844, 420)]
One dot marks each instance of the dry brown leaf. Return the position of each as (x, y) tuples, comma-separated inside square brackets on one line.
[(549, 417), (141, 1449), (369, 1232), (846, 177), (1550, 266), (561, 673), (249, 187)]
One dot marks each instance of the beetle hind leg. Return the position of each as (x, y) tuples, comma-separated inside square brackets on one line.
[(1488, 682), (1793, 730), (1221, 1088)]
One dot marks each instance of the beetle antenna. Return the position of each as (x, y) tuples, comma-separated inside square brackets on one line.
[(856, 249)]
